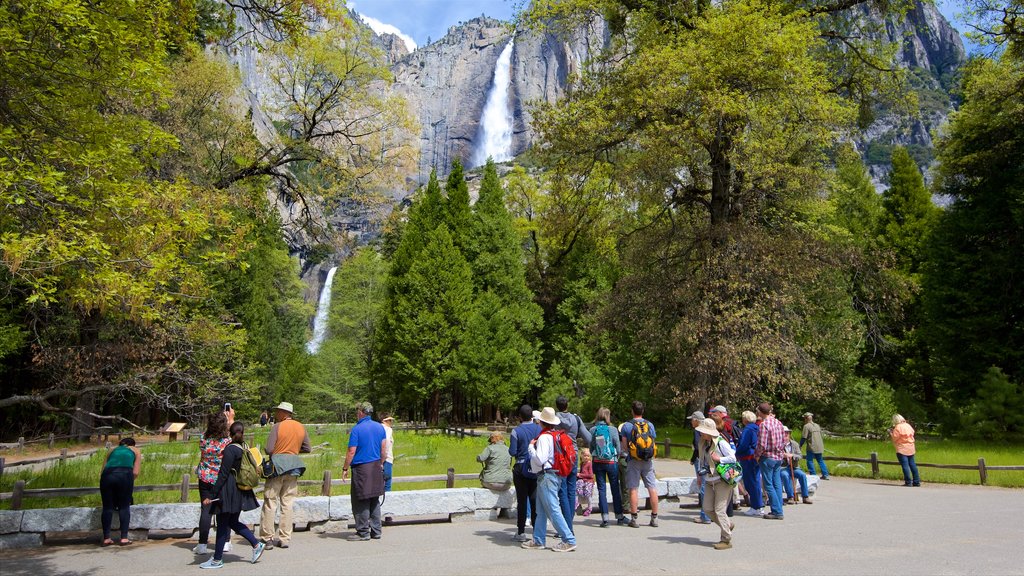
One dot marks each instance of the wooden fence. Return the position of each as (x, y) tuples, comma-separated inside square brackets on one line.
[(982, 468), (186, 485)]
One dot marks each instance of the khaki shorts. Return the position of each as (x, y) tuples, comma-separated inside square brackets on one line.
[(640, 469)]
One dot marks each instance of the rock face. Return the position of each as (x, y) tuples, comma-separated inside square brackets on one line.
[(446, 83)]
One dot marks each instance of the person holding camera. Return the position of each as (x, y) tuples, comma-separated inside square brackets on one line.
[(286, 440), (211, 449)]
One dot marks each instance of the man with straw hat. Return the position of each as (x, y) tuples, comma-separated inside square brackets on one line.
[(542, 462), (286, 440), (715, 450)]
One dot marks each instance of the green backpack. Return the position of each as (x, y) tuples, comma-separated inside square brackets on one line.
[(250, 473)]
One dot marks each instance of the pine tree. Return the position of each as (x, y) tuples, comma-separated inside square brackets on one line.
[(856, 204), (457, 213), (909, 212)]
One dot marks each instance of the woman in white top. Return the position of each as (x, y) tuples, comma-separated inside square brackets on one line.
[(712, 451)]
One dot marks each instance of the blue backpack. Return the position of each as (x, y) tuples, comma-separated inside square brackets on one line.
[(604, 447)]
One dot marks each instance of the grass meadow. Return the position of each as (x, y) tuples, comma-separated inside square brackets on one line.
[(430, 453)]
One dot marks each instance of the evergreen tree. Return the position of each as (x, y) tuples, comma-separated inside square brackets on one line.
[(973, 294), (909, 213), (457, 214), (856, 204)]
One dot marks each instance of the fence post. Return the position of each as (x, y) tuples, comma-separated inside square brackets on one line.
[(19, 490), (51, 440), (325, 490), (21, 442), (450, 482), (874, 465), (63, 454), (982, 471), (184, 487), (668, 447), (2, 462)]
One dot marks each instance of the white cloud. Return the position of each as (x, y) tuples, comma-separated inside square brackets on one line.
[(382, 28)]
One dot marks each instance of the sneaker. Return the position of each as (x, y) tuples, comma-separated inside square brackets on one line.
[(268, 544), (521, 537), (723, 545), (281, 544), (622, 521), (257, 551), (633, 523), (604, 524), (774, 517), (826, 477), (532, 545), (227, 546), (564, 547), (212, 564), (808, 501), (358, 538), (699, 520), (201, 549), (654, 522), (753, 512)]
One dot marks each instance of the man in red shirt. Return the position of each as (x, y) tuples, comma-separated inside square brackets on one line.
[(771, 446)]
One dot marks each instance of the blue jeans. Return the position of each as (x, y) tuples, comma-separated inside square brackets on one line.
[(811, 457), (752, 482), (787, 482), (909, 468), (549, 508), (225, 524), (700, 496), (387, 475), (771, 471), (608, 474), (567, 497)]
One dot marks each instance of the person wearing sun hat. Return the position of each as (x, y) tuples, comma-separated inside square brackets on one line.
[(287, 439), (389, 458), (715, 450), (811, 434), (542, 461)]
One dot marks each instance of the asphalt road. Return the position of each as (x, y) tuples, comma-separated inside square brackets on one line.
[(853, 527)]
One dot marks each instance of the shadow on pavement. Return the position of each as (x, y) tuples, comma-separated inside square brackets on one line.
[(500, 537), (684, 540), (33, 563)]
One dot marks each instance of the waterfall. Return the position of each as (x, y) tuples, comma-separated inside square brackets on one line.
[(495, 136), (323, 309)]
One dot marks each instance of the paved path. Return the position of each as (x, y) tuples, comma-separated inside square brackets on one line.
[(854, 527)]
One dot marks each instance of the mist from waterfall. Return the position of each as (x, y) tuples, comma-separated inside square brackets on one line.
[(323, 309), (495, 139)]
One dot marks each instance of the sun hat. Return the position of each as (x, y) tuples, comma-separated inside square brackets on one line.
[(708, 427), (536, 414), (719, 408), (548, 416), (785, 429), (808, 415), (698, 415), (286, 406), (387, 419)]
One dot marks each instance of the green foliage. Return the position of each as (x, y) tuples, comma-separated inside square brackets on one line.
[(909, 213), (998, 407)]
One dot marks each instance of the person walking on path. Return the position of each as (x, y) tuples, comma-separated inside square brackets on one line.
[(585, 482), (389, 456), (497, 471), (211, 449), (745, 456), (811, 435), (770, 451), (286, 440), (572, 425), (639, 435), (367, 444), (696, 419), (902, 434), (715, 450), (731, 433), (229, 500), (523, 478), (604, 447), (117, 483), (542, 462)]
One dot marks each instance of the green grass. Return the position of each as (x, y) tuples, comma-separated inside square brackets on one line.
[(165, 463), (930, 451)]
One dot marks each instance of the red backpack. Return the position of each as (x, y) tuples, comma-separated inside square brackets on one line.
[(565, 451)]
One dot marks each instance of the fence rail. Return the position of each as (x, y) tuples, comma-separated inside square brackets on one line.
[(981, 466), (186, 485)]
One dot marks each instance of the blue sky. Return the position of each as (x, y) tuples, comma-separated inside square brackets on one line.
[(423, 19)]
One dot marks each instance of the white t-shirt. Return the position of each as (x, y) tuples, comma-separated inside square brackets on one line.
[(389, 436)]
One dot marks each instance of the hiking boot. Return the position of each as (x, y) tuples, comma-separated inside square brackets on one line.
[(723, 545), (212, 564), (654, 522), (808, 501), (633, 523), (532, 545), (282, 544), (564, 547), (257, 551), (268, 544), (604, 524), (622, 521)]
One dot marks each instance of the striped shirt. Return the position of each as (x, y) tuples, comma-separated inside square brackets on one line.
[(770, 440)]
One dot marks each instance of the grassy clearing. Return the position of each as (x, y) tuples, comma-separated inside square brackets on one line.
[(931, 451), (416, 454)]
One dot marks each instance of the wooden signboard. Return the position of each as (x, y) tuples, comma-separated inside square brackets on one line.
[(172, 429)]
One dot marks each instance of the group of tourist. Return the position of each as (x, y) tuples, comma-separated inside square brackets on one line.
[(758, 462)]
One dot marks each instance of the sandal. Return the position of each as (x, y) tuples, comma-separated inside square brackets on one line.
[(124, 542), (107, 542)]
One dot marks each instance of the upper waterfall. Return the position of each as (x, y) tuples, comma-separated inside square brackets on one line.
[(495, 135), (323, 309)]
